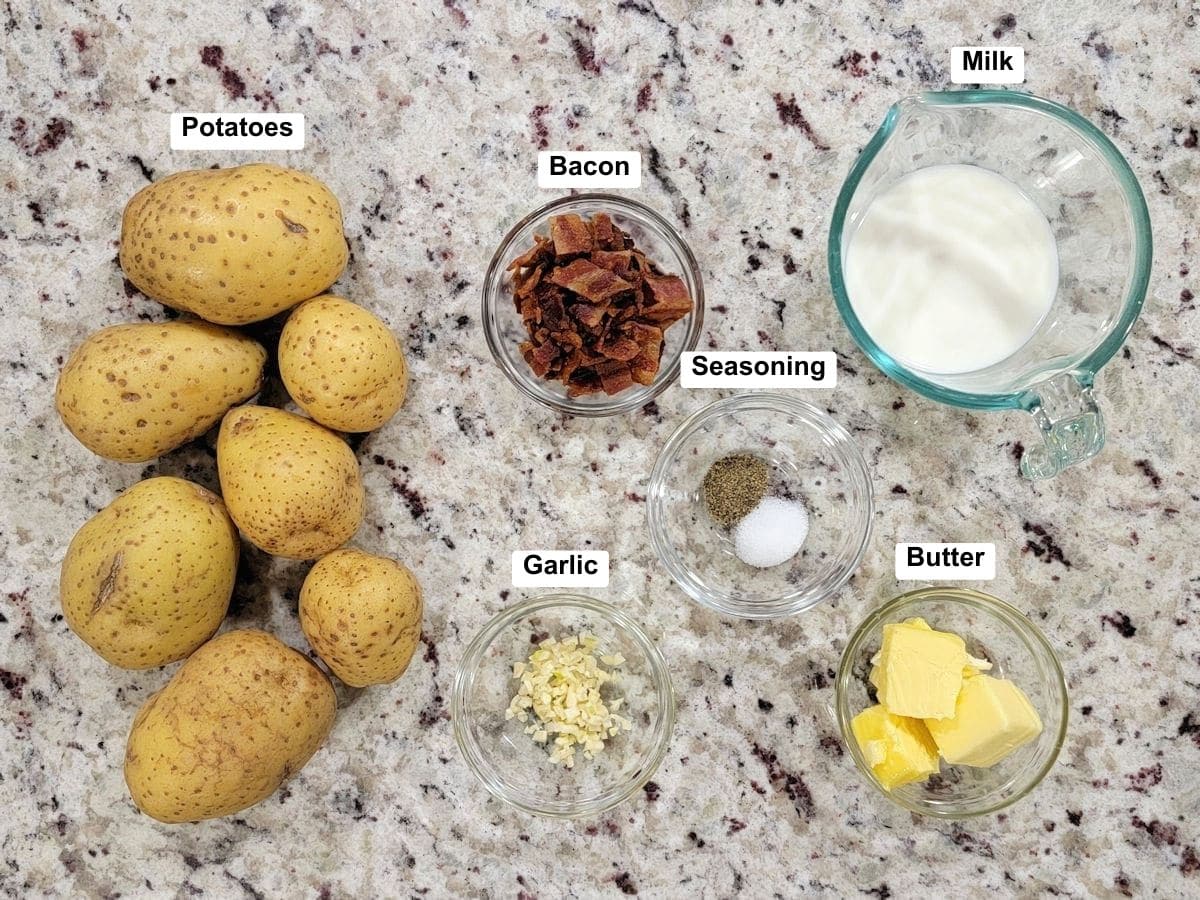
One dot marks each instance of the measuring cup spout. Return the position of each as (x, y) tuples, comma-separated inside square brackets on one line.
[(1070, 422)]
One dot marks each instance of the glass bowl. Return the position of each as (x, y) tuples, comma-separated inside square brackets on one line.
[(504, 330), (508, 761), (993, 630), (812, 451)]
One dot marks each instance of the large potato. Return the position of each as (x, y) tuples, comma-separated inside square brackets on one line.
[(233, 245), (292, 487), (147, 579), (241, 716), (341, 364), (362, 614), (134, 392)]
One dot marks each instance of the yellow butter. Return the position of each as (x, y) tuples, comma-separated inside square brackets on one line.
[(974, 664), (899, 750), (919, 671), (992, 718)]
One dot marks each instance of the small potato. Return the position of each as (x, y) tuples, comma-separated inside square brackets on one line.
[(239, 718), (293, 487), (148, 579), (134, 392), (362, 614), (342, 365), (233, 245)]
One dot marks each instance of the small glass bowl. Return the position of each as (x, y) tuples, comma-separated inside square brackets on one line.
[(995, 631), (504, 330), (795, 438), (509, 762)]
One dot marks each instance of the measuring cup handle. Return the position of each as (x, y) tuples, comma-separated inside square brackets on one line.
[(1072, 427)]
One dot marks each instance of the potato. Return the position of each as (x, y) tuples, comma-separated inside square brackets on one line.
[(292, 487), (341, 364), (148, 579), (134, 392), (240, 717), (233, 245), (362, 614)]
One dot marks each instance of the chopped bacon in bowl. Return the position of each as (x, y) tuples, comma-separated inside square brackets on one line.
[(594, 306)]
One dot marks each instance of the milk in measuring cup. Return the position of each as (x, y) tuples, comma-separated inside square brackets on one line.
[(951, 269)]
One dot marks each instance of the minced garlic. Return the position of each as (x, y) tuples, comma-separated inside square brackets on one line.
[(560, 685)]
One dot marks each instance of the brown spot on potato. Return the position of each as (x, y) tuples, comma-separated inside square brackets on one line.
[(109, 584), (292, 226)]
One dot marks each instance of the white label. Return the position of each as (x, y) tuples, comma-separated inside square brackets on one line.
[(987, 65), (237, 131), (560, 568), (946, 562), (589, 169), (752, 369)]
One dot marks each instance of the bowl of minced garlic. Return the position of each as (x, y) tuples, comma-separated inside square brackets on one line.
[(951, 702), (561, 697), (563, 706)]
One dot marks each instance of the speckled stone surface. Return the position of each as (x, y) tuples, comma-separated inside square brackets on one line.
[(425, 118)]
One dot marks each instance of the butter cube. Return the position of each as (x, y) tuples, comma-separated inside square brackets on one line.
[(899, 750), (973, 667), (992, 718), (919, 670)]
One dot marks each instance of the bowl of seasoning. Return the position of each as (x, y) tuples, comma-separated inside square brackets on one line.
[(563, 706), (760, 505), (589, 302), (951, 702)]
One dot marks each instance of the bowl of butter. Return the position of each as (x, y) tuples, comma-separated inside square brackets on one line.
[(951, 702)]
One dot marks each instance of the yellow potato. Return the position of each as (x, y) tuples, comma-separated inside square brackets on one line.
[(239, 718), (147, 579), (292, 487), (362, 614), (233, 245), (134, 392), (342, 365)]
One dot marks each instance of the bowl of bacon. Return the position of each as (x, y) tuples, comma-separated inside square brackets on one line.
[(589, 303)]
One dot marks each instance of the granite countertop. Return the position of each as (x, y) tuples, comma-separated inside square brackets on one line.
[(425, 118)]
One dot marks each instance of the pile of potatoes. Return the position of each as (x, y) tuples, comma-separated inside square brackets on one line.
[(148, 580)]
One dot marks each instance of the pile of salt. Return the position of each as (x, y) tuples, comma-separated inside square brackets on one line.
[(771, 533)]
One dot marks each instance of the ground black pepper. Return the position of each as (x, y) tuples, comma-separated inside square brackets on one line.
[(733, 486)]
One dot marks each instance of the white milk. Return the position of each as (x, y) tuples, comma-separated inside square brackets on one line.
[(951, 269)]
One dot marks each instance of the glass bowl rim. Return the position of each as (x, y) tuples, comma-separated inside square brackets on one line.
[(473, 753), (491, 294), (792, 603), (1025, 629), (1143, 245)]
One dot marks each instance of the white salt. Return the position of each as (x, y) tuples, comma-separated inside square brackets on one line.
[(771, 533)]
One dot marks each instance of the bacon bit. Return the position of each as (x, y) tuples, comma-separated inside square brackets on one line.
[(541, 251), (619, 262), (645, 366), (571, 236), (526, 282), (623, 349), (589, 281), (589, 316), (646, 335), (669, 299), (608, 237), (594, 306)]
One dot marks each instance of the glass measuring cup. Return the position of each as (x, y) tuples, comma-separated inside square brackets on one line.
[(1097, 212)]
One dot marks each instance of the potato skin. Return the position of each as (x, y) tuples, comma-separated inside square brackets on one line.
[(362, 614), (148, 579), (293, 487), (341, 364), (233, 245), (240, 717), (134, 392)]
